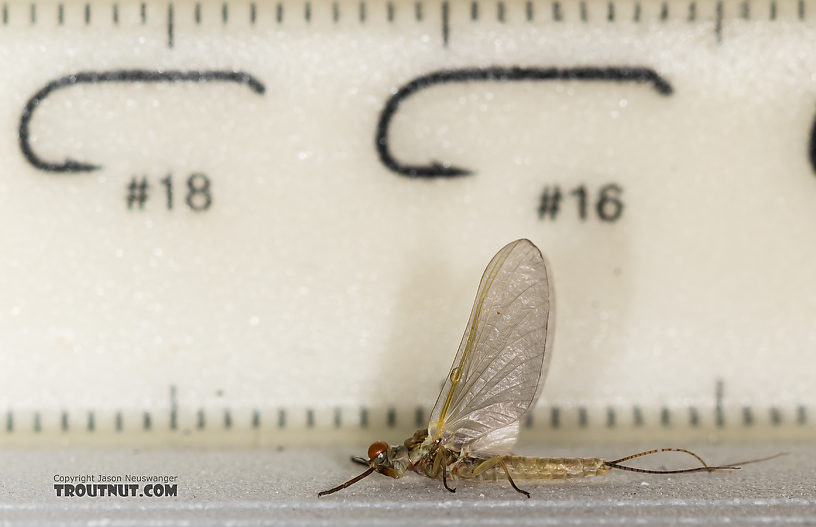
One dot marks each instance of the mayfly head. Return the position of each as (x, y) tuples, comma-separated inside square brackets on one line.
[(385, 459), (391, 461)]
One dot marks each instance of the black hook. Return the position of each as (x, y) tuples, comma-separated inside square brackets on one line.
[(94, 77), (812, 146), (498, 74)]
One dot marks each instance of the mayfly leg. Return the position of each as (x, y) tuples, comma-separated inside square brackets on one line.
[(445, 479), (359, 460), (348, 483), (512, 483), (492, 462), (441, 455)]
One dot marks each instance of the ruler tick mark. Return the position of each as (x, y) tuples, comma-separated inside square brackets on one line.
[(394, 418), (279, 12), (719, 416), (418, 11), (776, 416), (225, 13), (745, 10), (307, 12), (197, 14), (143, 13), (60, 14), (584, 15), (636, 15), (664, 11), (445, 24), (610, 12), (253, 13), (33, 14), (801, 10), (5, 14), (529, 11), (692, 14), (718, 25), (173, 408), (637, 416), (500, 12), (362, 12), (665, 417), (557, 11), (694, 418), (87, 14), (747, 416), (389, 9), (116, 14), (773, 11), (474, 11), (170, 25)]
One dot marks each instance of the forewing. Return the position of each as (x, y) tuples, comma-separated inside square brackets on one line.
[(503, 357)]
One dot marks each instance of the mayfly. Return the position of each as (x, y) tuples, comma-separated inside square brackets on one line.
[(496, 377)]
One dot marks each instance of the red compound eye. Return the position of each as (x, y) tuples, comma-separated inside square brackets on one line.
[(376, 449)]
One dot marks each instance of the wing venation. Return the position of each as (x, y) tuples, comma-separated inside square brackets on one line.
[(501, 363)]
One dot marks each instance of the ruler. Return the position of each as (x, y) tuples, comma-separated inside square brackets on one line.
[(262, 222)]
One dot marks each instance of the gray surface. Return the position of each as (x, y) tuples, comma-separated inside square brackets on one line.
[(270, 487)]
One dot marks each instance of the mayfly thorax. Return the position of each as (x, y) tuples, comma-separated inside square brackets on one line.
[(494, 381)]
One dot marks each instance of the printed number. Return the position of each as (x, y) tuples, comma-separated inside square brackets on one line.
[(608, 206), (168, 184), (198, 198)]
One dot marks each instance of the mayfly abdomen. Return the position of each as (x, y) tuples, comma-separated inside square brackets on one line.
[(521, 467), (532, 468)]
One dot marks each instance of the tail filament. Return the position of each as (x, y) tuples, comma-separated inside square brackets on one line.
[(704, 468)]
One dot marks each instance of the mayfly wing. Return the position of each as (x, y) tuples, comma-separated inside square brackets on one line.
[(502, 360)]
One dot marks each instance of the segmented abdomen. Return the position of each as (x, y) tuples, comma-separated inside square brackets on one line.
[(534, 468)]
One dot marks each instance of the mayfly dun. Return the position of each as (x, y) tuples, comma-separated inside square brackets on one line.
[(495, 379)]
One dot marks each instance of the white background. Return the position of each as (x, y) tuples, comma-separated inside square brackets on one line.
[(319, 279)]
